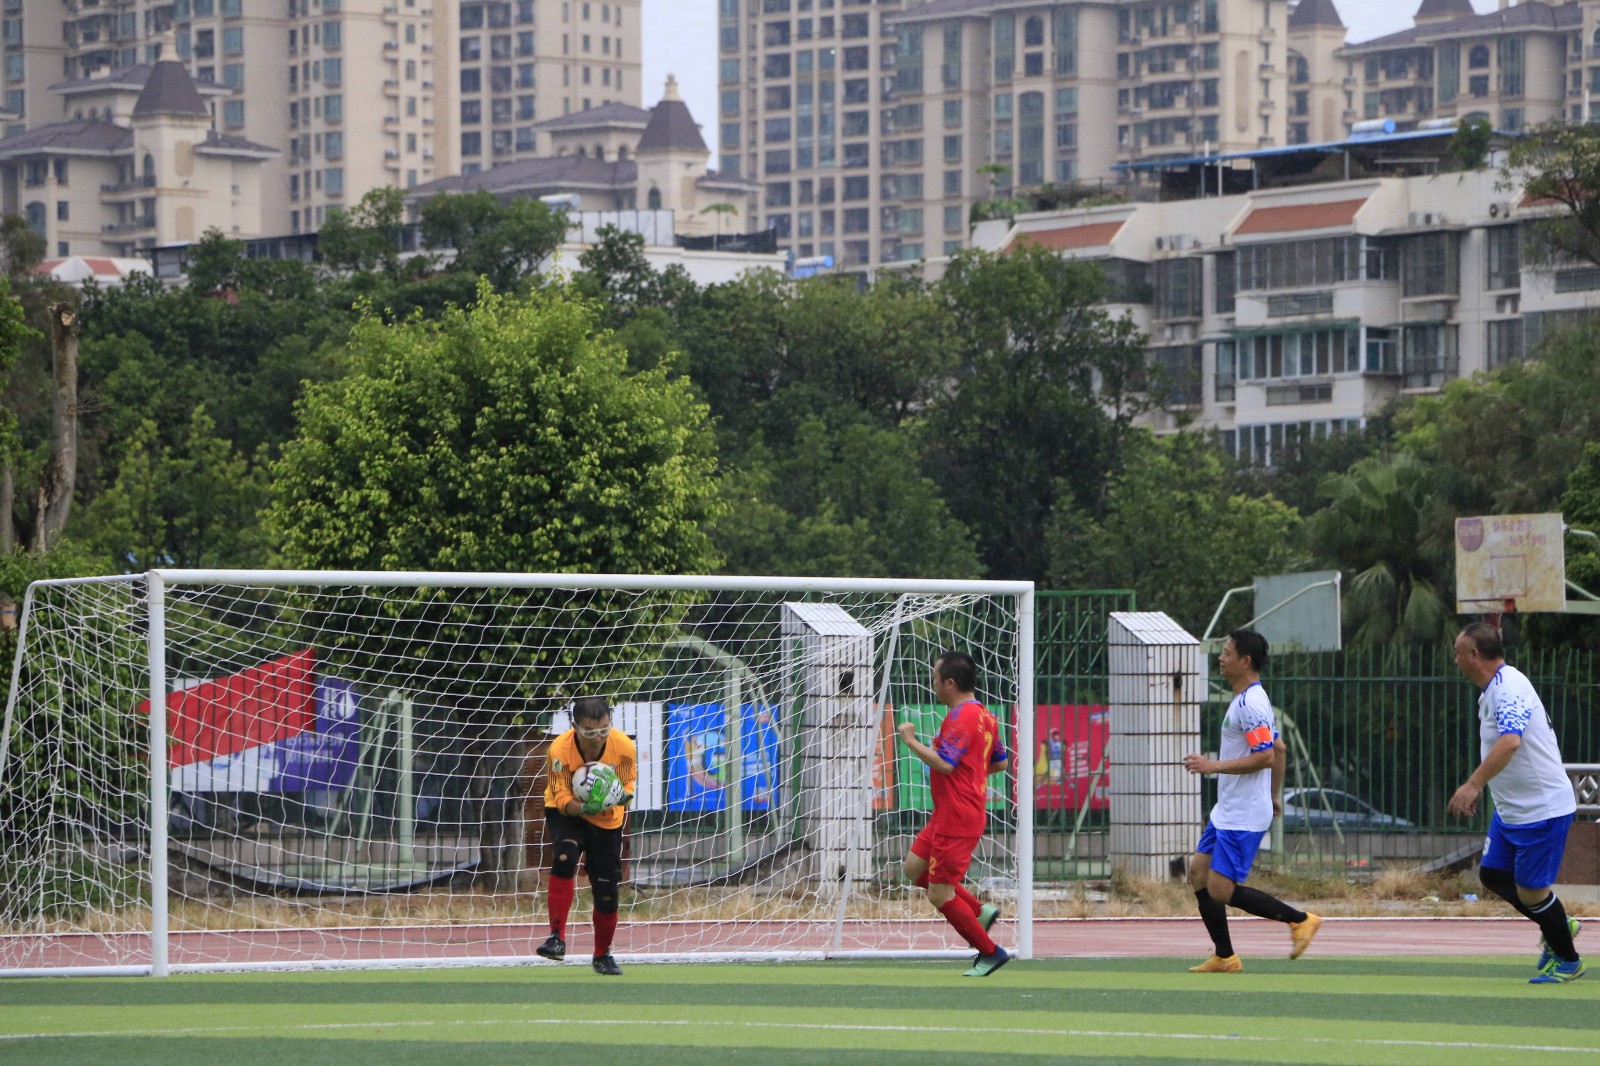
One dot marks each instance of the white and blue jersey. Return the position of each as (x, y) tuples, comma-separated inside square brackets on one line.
[(1244, 801), (1534, 785)]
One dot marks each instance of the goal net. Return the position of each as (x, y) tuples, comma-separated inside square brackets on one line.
[(258, 769)]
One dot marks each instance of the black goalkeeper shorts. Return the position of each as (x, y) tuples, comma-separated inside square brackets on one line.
[(601, 848)]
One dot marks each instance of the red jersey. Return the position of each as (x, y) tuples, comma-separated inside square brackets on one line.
[(966, 740)]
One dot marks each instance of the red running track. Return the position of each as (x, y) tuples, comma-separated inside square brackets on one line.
[(1052, 938)]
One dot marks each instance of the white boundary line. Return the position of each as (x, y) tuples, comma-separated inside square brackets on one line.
[(1465, 1045)]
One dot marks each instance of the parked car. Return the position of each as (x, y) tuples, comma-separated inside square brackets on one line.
[(1322, 808)]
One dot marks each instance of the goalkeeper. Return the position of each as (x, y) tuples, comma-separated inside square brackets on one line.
[(591, 830)]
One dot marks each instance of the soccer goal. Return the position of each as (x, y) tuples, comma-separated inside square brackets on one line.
[(266, 769)]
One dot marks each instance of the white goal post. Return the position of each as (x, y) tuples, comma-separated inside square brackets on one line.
[(238, 769)]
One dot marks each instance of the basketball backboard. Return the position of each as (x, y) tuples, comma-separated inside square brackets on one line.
[(1510, 563), (1300, 611)]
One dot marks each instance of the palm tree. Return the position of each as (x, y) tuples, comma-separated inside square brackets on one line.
[(720, 209), (1381, 522)]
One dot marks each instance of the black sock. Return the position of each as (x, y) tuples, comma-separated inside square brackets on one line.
[(1502, 884), (1256, 902), (1552, 919), (1215, 915)]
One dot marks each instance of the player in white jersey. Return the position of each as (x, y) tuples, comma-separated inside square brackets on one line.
[(1250, 763), (1533, 798)]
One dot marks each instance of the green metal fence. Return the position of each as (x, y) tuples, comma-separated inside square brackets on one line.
[(1385, 735)]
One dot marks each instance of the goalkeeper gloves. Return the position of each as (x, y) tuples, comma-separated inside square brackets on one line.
[(600, 788)]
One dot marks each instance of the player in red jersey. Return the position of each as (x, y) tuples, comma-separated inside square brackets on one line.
[(967, 750)]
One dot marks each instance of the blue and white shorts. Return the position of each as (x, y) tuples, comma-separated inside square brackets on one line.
[(1531, 852)]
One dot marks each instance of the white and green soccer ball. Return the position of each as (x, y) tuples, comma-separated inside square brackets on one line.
[(583, 779)]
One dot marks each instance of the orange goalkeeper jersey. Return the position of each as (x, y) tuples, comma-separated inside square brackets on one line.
[(565, 758)]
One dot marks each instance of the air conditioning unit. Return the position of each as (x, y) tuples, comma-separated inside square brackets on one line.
[(1161, 244), (1500, 210)]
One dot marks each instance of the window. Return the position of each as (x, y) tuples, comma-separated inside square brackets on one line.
[(472, 80), (1428, 357), (1502, 342), (1504, 257), (471, 112), (62, 210), (857, 219), (233, 113), (333, 181), (333, 71), (233, 41), (233, 75), (472, 143), (954, 219), (1428, 265), (1178, 292), (1005, 46)]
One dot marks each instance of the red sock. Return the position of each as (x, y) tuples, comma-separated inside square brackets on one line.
[(968, 898), (605, 927), (561, 893), (961, 918)]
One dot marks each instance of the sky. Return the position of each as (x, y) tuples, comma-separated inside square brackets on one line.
[(680, 37)]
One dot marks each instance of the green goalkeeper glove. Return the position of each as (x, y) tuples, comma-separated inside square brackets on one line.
[(600, 788)]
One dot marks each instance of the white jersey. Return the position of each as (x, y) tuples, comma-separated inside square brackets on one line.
[(1244, 801), (1534, 785)]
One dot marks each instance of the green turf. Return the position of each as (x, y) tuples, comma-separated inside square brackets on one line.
[(1409, 1012)]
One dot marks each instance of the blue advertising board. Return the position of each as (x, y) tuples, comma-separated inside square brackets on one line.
[(698, 757)]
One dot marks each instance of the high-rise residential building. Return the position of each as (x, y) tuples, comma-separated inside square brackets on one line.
[(1514, 67), (876, 127), (351, 94)]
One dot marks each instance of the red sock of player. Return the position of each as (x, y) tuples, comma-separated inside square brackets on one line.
[(605, 927), (972, 902), (561, 892), (965, 922)]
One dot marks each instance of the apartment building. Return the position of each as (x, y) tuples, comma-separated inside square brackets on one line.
[(142, 166), (1515, 67), (875, 127), (1294, 311), (349, 94)]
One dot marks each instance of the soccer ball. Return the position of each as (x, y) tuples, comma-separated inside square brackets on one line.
[(582, 779)]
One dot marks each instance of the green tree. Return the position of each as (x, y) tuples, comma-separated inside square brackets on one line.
[(1040, 398), (1505, 442), (504, 242), (191, 505), (510, 436), (1379, 524), (852, 503), (1469, 145), (1174, 529), (367, 237), (1558, 164)]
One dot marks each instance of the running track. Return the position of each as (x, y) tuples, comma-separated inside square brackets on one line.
[(1052, 938)]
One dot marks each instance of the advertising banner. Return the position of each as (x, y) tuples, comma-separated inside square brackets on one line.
[(915, 795), (1069, 746), (698, 757), (320, 758)]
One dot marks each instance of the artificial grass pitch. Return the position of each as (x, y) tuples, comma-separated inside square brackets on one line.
[(1410, 1012)]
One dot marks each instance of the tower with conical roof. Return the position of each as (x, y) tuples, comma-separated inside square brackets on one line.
[(671, 156), (170, 120), (1316, 75)]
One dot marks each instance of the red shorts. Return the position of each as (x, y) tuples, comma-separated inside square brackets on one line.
[(948, 856)]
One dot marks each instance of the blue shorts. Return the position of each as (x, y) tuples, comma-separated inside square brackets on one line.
[(1531, 852), (1232, 851)]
